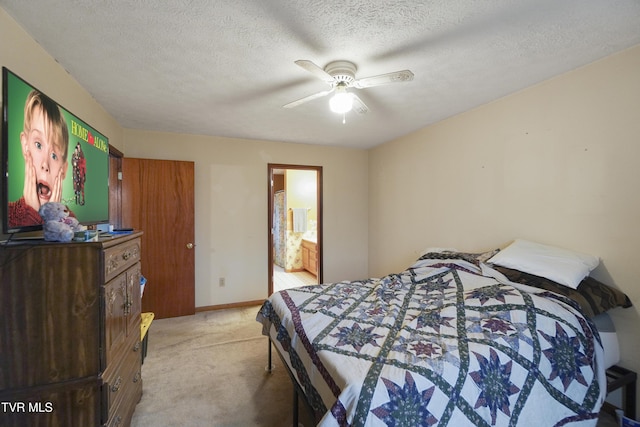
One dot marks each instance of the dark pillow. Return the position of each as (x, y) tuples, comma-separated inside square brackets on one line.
[(592, 296), (473, 258)]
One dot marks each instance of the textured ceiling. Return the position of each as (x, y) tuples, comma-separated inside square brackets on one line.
[(226, 68)]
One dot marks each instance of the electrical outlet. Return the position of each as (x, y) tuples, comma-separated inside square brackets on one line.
[(221, 281)]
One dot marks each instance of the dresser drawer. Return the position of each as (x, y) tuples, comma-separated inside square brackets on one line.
[(118, 258), (68, 403), (122, 388)]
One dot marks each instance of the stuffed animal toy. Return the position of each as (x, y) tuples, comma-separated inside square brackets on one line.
[(58, 225)]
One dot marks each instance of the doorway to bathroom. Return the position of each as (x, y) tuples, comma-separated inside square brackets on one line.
[(295, 226)]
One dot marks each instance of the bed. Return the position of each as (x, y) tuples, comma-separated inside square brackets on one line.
[(451, 340)]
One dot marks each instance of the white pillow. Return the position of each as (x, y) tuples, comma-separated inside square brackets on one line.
[(560, 265)]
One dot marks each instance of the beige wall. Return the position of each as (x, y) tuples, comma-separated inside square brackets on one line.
[(556, 163), (231, 208), (231, 183), (25, 57)]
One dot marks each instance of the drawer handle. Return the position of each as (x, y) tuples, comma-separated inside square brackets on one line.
[(126, 255), (137, 346), (118, 421), (116, 386), (137, 377)]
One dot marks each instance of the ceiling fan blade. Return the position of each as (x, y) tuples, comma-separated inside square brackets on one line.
[(308, 98), (316, 71), (359, 106), (383, 79)]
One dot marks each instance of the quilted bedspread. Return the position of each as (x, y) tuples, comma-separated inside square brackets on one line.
[(445, 342)]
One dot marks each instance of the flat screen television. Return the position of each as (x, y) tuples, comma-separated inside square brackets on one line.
[(48, 154)]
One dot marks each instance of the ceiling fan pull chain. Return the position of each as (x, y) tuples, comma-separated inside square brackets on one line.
[(344, 118)]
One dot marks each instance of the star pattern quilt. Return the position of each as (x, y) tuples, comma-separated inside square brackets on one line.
[(448, 342)]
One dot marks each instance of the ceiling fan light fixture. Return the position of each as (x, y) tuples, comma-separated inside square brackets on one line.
[(341, 75), (341, 102)]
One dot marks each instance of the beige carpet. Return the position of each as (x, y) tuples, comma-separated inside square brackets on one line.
[(209, 370)]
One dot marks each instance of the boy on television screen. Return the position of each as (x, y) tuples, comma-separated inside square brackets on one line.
[(45, 142)]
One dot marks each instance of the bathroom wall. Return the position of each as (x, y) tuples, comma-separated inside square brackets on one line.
[(301, 188)]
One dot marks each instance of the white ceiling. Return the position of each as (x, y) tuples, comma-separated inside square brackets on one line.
[(226, 68)]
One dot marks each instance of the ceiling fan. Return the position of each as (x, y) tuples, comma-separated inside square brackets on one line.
[(340, 76)]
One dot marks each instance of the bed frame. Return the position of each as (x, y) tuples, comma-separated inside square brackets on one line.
[(297, 390)]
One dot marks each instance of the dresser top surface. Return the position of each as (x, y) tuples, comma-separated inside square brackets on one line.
[(104, 241)]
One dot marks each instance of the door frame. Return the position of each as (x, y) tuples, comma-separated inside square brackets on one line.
[(115, 186), (270, 169)]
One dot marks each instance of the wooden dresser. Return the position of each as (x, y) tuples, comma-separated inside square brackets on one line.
[(70, 350)]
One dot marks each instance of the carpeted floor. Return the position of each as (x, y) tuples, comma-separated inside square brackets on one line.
[(208, 370)]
